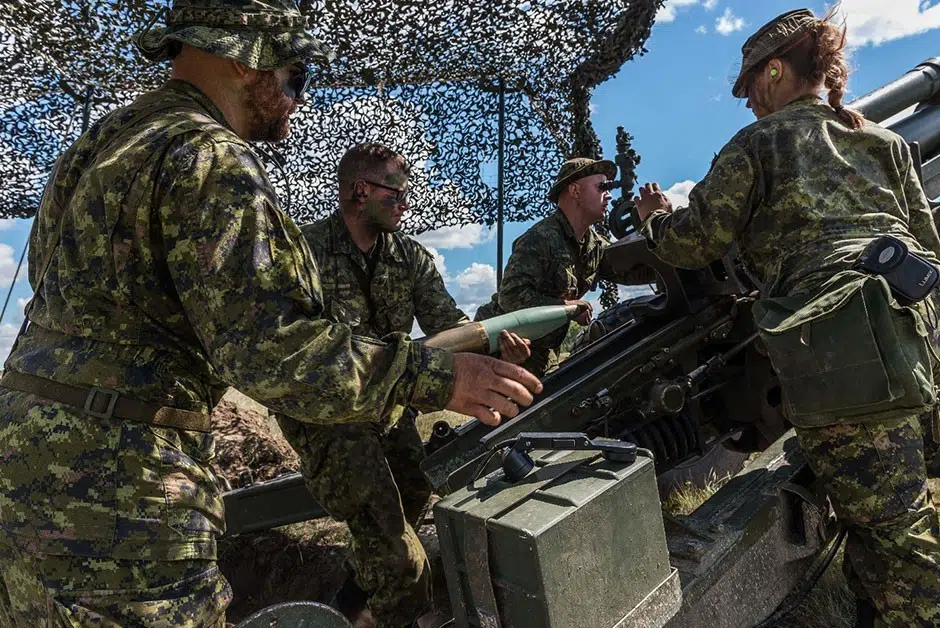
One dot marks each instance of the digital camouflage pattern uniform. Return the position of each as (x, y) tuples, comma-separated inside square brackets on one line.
[(548, 266), (802, 194), (173, 274), (368, 474)]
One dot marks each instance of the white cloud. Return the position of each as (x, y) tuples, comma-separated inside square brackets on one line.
[(465, 237), (7, 336), (701, 30), (678, 194), (728, 23), (475, 285), (668, 12), (7, 223), (878, 21), (8, 266), (710, 4)]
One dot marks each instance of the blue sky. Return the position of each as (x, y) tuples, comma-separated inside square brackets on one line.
[(675, 100)]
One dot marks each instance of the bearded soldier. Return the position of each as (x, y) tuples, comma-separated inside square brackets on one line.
[(165, 270)]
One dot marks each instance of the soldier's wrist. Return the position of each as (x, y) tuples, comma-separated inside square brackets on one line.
[(433, 375)]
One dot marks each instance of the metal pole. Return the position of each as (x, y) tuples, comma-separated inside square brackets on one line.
[(86, 110), (499, 183)]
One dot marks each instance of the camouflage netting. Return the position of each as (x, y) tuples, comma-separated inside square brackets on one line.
[(420, 76)]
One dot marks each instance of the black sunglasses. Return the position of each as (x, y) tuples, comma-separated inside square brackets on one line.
[(299, 81), (401, 196)]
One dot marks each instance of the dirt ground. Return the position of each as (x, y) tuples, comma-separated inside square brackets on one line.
[(305, 561)]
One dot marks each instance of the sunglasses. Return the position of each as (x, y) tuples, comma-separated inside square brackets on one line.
[(299, 81), (400, 196)]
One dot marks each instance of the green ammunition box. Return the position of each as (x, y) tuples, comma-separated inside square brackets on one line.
[(578, 543)]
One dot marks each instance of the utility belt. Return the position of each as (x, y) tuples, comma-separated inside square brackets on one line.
[(104, 403)]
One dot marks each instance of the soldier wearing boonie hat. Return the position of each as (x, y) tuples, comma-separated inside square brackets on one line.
[(801, 192), (165, 271), (556, 260), (262, 35)]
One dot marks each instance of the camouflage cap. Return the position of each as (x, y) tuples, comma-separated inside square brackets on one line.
[(261, 34), (771, 39), (578, 168)]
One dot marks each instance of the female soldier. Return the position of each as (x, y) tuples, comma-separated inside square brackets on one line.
[(802, 191)]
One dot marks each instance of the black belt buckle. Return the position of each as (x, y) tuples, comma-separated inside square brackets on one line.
[(90, 399)]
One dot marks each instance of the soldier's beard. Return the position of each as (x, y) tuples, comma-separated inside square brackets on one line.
[(269, 109)]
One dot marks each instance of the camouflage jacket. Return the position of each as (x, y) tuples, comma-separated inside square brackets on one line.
[(177, 273), (801, 194), (404, 284), (548, 266)]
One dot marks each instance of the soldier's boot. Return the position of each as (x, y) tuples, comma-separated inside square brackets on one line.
[(865, 614)]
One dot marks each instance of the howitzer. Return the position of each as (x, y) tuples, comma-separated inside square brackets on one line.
[(678, 373)]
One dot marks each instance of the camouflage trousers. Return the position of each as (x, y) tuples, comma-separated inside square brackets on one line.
[(876, 479), (42, 591), (368, 476)]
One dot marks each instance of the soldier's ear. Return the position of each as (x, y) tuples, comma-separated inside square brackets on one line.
[(359, 190), (574, 190)]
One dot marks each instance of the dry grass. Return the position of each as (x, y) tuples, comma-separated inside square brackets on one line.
[(686, 498)]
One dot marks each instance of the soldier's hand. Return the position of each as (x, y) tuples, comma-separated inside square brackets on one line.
[(490, 389), (651, 198), (513, 348), (585, 317)]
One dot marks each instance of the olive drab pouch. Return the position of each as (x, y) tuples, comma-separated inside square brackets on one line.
[(847, 353)]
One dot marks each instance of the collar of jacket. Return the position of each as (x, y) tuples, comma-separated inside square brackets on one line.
[(188, 90), (566, 229), (342, 241)]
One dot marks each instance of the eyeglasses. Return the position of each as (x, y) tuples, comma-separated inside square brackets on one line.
[(401, 196), (299, 81)]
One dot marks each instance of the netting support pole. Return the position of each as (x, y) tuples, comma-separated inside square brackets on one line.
[(500, 193), (86, 109)]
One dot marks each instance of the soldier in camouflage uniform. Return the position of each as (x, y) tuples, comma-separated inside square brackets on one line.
[(377, 280), (555, 262), (802, 191), (164, 270)]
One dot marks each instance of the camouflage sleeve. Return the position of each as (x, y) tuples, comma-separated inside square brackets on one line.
[(526, 273), (719, 206), (435, 309), (249, 287), (920, 218)]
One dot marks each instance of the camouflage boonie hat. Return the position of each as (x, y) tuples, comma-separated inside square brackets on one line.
[(771, 39), (261, 34), (578, 168)]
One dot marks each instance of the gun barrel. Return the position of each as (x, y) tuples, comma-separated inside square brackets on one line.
[(483, 337), (922, 127), (919, 85)]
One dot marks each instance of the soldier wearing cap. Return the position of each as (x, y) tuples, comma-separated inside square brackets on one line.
[(802, 191), (555, 262), (164, 270)]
